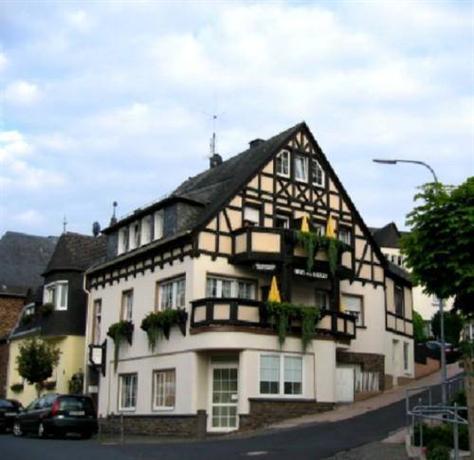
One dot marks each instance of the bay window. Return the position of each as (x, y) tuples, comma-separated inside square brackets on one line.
[(56, 293), (229, 288)]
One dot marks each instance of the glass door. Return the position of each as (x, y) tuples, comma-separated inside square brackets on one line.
[(224, 398)]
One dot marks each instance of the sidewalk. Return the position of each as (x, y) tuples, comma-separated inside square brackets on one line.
[(347, 411)]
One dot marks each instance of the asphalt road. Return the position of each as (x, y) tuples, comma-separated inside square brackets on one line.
[(313, 441)]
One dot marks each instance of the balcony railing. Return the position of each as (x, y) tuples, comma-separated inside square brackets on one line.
[(253, 314)]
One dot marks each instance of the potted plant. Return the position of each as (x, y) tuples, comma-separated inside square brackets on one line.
[(159, 323)]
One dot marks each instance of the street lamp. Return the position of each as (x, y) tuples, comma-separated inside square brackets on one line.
[(441, 315)]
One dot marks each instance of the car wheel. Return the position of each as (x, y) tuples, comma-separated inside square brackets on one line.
[(41, 430), (17, 431)]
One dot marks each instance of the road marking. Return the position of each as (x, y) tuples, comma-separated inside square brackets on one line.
[(256, 453)]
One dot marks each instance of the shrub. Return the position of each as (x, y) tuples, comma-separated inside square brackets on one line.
[(17, 387), (46, 309), (439, 453)]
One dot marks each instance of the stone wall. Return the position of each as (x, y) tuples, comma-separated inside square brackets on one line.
[(432, 365), (267, 411), (154, 425), (370, 362)]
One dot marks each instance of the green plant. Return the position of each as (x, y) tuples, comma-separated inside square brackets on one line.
[(282, 313), (46, 309), (453, 325), (36, 360), (312, 243), (17, 387), (120, 332), (442, 435), (419, 333), (158, 324), (27, 319), (438, 452)]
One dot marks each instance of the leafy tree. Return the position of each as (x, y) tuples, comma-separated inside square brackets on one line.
[(419, 328), (440, 252), (453, 325), (36, 360)]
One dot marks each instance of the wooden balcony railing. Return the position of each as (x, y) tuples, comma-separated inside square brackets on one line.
[(253, 314)]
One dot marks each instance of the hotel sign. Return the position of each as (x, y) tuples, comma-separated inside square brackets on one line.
[(318, 275)]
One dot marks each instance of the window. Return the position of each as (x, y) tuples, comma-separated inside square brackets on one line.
[(322, 300), (353, 304), (123, 240), (146, 228), (127, 305), (282, 221), (127, 391), (29, 309), (252, 215), (134, 237), (171, 294), (318, 174), (344, 235), (319, 228), (399, 301), (229, 287), (283, 163), (97, 319), (164, 389), (281, 375), (158, 227), (406, 350), (301, 168), (57, 294)]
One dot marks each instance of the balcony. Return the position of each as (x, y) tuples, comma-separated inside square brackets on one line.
[(252, 316)]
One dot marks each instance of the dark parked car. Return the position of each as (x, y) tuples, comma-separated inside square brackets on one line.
[(9, 409), (55, 414), (434, 351)]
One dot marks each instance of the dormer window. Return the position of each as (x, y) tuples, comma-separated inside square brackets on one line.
[(301, 168), (134, 236), (146, 229), (158, 227), (283, 163), (123, 240), (318, 174), (57, 294)]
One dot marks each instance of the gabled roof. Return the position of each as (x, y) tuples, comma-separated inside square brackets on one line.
[(387, 236), (76, 252), (23, 259)]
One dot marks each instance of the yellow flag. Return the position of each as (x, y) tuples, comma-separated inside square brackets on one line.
[(304, 224), (331, 228), (274, 294)]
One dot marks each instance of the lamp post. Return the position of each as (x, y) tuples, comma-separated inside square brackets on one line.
[(440, 305)]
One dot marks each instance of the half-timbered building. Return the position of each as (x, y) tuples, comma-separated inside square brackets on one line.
[(212, 248)]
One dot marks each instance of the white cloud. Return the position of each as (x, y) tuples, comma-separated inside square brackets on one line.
[(30, 218), (3, 61), (22, 93), (79, 20)]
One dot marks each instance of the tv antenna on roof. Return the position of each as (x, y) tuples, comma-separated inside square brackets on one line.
[(64, 224), (213, 142)]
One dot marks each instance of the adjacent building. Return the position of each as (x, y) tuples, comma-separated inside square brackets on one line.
[(388, 238), (57, 313), (210, 251), (22, 260)]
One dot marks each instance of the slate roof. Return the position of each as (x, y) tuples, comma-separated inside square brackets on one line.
[(23, 258), (77, 252), (398, 271), (387, 236)]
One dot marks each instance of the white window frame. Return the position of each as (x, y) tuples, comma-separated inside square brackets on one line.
[(281, 383), (360, 317), (317, 167), (123, 240), (126, 308), (134, 235), (248, 217), (146, 228), (319, 228), (121, 378), (344, 234), (285, 218), (155, 384), (96, 321), (176, 284), (296, 157), (281, 158), (158, 228), (59, 286), (234, 286)]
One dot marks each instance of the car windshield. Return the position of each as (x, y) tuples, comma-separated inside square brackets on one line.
[(76, 403), (4, 404)]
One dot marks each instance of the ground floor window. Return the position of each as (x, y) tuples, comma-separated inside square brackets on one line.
[(127, 391), (281, 374), (164, 389)]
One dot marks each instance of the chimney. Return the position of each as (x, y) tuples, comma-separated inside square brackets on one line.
[(215, 160), (255, 143)]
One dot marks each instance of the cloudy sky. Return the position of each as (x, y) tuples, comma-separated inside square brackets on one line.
[(112, 100)]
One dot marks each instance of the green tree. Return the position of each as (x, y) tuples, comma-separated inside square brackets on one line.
[(453, 325), (439, 250), (419, 331), (36, 360)]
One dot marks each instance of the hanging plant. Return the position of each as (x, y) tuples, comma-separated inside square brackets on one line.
[(120, 332), (282, 313), (158, 324), (333, 254), (310, 242)]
